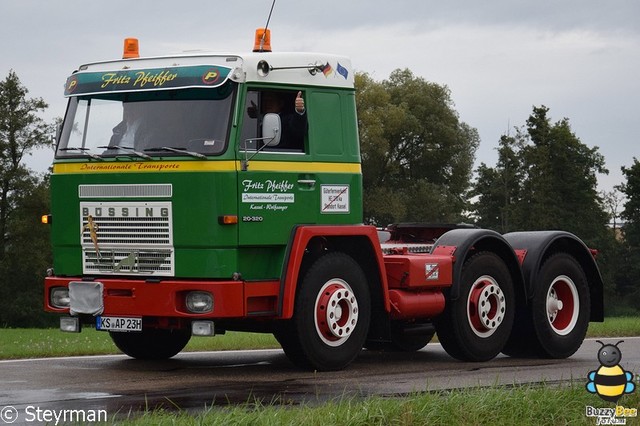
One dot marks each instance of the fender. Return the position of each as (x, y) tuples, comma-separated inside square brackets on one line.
[(538, 245), (366, 237), (461, 243)]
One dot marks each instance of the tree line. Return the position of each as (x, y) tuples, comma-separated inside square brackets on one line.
[(418, 166)]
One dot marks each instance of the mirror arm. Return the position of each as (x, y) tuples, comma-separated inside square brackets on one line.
[(245, 162)]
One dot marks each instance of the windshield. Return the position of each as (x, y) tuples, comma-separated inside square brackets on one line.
[(191, 122)]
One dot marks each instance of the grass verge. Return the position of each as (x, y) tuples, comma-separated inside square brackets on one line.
[(37, 343), (521, 405)]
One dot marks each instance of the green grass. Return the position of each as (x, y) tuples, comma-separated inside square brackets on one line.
[(615, 327), (521, 405), (37, 343)]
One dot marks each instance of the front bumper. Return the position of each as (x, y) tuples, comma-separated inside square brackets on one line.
[(167, 298)]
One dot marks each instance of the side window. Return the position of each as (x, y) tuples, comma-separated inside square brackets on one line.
[(289, 105)]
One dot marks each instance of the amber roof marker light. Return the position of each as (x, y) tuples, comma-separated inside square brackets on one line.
[(262, 41), (131, 48)]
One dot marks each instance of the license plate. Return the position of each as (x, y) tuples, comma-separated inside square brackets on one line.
[(118, 324)]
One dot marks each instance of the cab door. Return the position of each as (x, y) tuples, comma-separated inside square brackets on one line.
[(277, 188)]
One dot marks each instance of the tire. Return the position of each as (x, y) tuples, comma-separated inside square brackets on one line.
[(561, 307), (476, 325), (331, 315), (151, 343)]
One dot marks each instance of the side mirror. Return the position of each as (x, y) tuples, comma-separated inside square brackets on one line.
[(271, 129)]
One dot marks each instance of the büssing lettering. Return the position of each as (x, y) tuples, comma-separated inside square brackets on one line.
[(125, 212)]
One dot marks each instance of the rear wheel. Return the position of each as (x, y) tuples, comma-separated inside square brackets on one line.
[(331, 316), (561, 307), (555, 323), (476, 325), (151, 343)]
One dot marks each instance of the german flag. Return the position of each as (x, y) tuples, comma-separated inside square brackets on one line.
[(327, 70)]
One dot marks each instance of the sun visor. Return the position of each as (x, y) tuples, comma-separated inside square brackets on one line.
[(134, 80)]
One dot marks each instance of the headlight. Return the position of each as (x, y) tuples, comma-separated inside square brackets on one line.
[(59, 297), (199, 302)]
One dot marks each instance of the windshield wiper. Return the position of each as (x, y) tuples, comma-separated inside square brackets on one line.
[(177, 150), (128, 148), (83, 150)]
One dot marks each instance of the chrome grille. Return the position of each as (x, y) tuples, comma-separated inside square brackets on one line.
[(123, 262), (131, 238), (125, 191)]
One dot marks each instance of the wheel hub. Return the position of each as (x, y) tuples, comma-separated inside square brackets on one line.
[(336, 312), (563, 305), (554, 305), (486, 306)]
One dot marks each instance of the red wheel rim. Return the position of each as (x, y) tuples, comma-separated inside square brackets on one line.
[(336, 312)]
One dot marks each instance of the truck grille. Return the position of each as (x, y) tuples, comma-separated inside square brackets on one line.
[(127, 238)]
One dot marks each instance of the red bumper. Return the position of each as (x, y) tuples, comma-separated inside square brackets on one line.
[(231, 299)]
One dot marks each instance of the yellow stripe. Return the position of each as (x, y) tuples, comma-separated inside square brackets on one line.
[(202, 166), (301, 166), (143, 167)]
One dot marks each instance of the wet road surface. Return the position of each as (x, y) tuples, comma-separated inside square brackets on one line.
[(194, 381)]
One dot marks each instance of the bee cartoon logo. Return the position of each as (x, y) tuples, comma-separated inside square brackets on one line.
[(610, 381)]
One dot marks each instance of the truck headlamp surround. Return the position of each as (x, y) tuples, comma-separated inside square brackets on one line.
[(199, 302), (59, 297)]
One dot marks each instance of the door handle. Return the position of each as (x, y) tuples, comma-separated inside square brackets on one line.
[(306, 184)]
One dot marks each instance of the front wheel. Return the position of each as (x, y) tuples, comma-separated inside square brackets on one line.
[(331, 315), (476, 325), (151, 343)]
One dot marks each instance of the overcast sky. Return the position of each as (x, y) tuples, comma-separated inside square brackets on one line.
[(499, 58)]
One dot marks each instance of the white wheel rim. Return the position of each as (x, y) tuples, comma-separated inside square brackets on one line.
[(336, 312), (486, 306), (562, 305)]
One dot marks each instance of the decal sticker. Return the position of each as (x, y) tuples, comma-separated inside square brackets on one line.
[(211, 76), (267, 195), (328, 70), (334, 199), (431, 271), (342, 71), (252, 218)]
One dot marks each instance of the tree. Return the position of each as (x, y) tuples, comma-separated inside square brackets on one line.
[(24, 247), (628, 275), (631, 211), (417, 156), (498, 189), (545, 179), (613, 201), (560, 184)]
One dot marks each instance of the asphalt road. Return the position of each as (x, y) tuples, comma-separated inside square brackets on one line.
[(193, 381)]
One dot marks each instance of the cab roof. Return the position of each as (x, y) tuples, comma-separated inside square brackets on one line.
[(295, 68)]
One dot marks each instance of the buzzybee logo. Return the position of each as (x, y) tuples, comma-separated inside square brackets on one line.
[(610, 382)]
